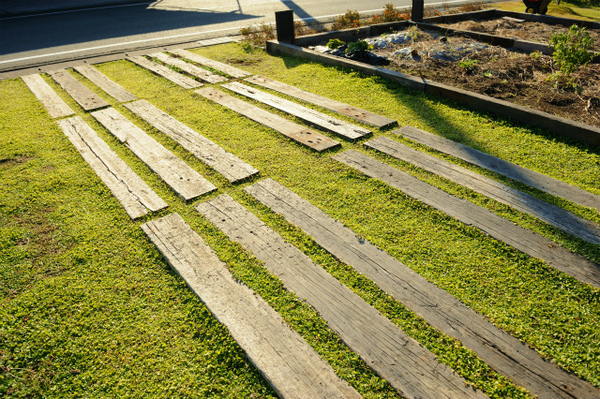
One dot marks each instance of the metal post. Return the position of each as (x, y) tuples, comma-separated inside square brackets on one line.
[(417, 10), (284, 23)]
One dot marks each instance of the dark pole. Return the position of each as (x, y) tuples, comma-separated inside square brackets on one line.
[(417, 10), (284, 23)]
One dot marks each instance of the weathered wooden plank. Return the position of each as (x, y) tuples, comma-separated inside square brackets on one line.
[(227, 164), (558, 217), (498, 349), (347, 130), (201, 73), (358, 114), (113, 89), (292, 130), (501, 229), (519, 173), (400, 360), (219, 66), (287, 362), (184, 180), (81, 94), (169, 74), (129, 189), (55, 106)]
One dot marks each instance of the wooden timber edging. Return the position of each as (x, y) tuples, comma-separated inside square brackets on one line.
[(411, 369), (55, 105), (167, 73), (111, 88), (136, 197), (198, 72), (219, 66), (501, 229), (498, 349), (87, 99), (280, 354)]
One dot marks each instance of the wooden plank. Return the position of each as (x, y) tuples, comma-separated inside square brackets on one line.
[(169, 74), (87, 99), (185, 181), (501, 229), (412, 370), (287, 362), (55, 106), (292, 130), (219, 66), (129, 189), (347, 130), (227, 164), (358, 114), (558, 217), (113, 89), (500, 166), (189, 68), (498, 349)]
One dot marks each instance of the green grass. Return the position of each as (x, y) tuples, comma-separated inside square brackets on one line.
[(91, 309), (563, 10)]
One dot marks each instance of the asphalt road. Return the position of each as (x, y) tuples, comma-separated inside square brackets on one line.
[(52, 37)]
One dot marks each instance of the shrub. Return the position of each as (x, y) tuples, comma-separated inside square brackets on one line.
[(351, 19), (390, 14), (572, 49), (258, 36), (335, 43)]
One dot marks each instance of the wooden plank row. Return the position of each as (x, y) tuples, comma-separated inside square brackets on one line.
[(113, 89), (334, 125), (501, 229), (500, 166), (336, 106), (185, 181), (219, 66), (169, 74), (412, 370), (558, 217), (286, 361), (55, 105), (136, 197), (501, 351), (292, 130), (87, 99), (201, 73), (227, 164)]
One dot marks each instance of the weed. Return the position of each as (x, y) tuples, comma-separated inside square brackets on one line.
[(258, 36), (390, 14), (360, 47), (335, 43), (351, 19)]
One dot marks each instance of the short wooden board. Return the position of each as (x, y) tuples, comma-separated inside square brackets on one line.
[(336, 106), (498, 349), (501, 229), (219, 66), (400, 360), (136, 197), (82, 95), (557, 217), (201, 73), (500, 166), (287, 362), (227, 164), (292, 130), (185, 181), (169, 74), (334, 125), (55, 105), (113, 89)]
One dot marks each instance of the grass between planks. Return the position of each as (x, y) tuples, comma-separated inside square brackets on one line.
[(90, 308)]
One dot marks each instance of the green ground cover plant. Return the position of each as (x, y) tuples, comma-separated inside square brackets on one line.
[(89, 307)]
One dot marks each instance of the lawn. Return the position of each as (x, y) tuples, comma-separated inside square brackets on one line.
[(90, 308), (563, 10)]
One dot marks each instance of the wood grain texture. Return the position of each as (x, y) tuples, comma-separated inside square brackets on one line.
[(500, 166), (129, 189), (498, 349), (185, 181), (334, 125), (219, 66), (558, 217), (292, 130), (201, 73), (358, 114), (86, 98), (501, 229), (286, 361), (227, 164), (113, 89), (55, 105), (400, 360), (169, 74)]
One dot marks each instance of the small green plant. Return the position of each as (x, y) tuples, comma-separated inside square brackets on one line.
[(413, 32), (360, 46), (488, 74), (468, 64), (572, 49), (335, 43), (351, 19), (536, 55)]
